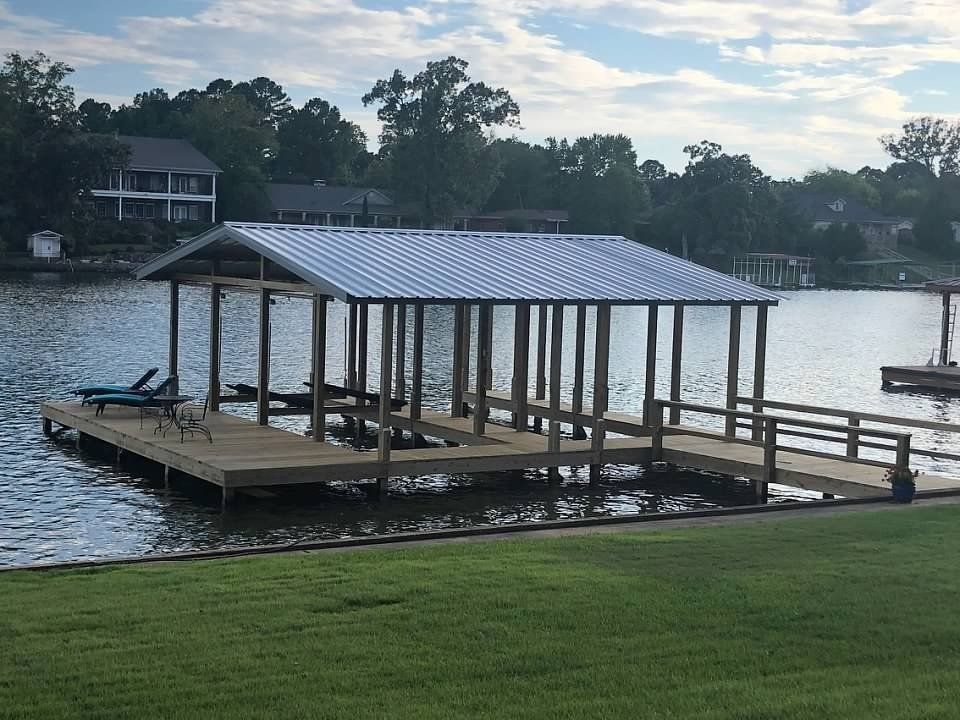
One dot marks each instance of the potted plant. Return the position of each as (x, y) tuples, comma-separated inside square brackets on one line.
[(903, 483)]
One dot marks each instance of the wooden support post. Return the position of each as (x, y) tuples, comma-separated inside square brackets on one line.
[(483, 360), (456, 400), (416, 390), (363, 332), (166, 477), (650, 373), (319, 368), (540, 379), (467, 334), (945, 331), (383, 455), (580, 341), (759, 367), (769, 459), (903, 451), (676, 362), (400, 384), (351, 379), (733, 368), (386, 367), (656, 431), (853, 437), (597, 437), (47, 427), (173, 352), (521, 367), (601, 358), (263, 361), (556, 358), (213, 391)]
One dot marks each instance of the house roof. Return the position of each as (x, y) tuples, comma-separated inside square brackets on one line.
[(353, 264), (328, 199), (151, 153), (817, 206)]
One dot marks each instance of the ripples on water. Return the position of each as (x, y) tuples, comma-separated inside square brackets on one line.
[(58, 331)]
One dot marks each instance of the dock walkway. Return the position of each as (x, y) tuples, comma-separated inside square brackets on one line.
[(245, 454)]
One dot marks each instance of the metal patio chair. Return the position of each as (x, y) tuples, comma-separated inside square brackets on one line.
[(192, 420)]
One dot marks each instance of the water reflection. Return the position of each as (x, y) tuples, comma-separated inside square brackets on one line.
[(57, 331)]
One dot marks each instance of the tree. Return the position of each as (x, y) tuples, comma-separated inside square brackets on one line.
[(528, 178), (94, 117), (934, 142), (231, 133), (433, 131), (315, 142), (49, 164), (844, 184), (266, 97)]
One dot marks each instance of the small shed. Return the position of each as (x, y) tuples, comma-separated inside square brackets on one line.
[(45, 244)]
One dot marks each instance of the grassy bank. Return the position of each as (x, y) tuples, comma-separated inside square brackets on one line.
[(853, 616)]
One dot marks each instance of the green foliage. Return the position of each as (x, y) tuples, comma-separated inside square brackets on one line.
[(433, 132), (315, 142), (930, 141), (843, 184), (774, 619), (835, 242)]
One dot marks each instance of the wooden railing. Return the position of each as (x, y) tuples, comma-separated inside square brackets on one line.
[(772, 426), (854, 418)]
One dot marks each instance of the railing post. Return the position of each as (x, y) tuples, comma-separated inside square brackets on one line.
[(769, 458), (598, 434), (903, 451), (656, 436), (853, 437)]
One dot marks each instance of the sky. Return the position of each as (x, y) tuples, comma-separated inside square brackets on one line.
[(797, 84)]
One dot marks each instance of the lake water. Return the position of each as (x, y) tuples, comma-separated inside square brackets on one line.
[(825, 347)]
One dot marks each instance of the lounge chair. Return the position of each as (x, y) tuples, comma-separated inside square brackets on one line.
[(130, 399), (140, 387)]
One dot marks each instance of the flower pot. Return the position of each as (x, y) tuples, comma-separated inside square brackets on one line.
[(903, 492)]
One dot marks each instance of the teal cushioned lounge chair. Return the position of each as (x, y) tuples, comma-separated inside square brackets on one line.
[(129, 399), (139, 387)]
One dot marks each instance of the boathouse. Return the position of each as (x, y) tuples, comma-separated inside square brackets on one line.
[(402, 272)]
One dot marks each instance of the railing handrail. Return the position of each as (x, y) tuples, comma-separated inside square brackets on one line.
[(864, 416), (782, 420)]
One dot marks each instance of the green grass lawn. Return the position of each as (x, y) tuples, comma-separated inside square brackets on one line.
[(851, 616)]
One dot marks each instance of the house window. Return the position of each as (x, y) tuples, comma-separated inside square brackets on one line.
[(115, 180), (179, 212), (148, 211), (194, 212), (156, 183), (182, 183), (101, 209), (138, 210), (194, 185), (129, 181)]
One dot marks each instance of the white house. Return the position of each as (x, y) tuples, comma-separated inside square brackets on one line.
[(45, 244)]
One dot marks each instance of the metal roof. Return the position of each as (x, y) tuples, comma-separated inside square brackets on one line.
[(363, 264)]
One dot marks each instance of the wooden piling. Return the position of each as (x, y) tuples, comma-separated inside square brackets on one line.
[(400, 383), (213, 373), (351, 347), (319, 352), (521, 367), (733, 369), (263, 361), (173, 349), (480, 408), (759, 367), (676, 362), (540, 379), (556, 359), (650, 373), (601, 358), (580, 341), (456, 399)]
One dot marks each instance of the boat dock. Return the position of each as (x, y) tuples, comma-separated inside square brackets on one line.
[(468, 273)]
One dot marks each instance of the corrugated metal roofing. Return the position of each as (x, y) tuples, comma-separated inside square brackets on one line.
[(947, 284), (436, 265)]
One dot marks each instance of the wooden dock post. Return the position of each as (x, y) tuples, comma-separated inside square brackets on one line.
[(556, 359), (319, 352), (263, 361), (650, 374), (47, 427), (213, 391), (383, 455), (416, 390), (945, 330), (386, 366), (173, 348), (597, 436), (656, 433), (351, 347), (465, 366), (540, 381), (903, 451), (601, 361), (580, 341), (400, 384), (853, 437), (363, 338), (484, 318), (456, 400), (759, 368), (226, 497), (769, 474), (521, 367), (733, 369), (676, 362)]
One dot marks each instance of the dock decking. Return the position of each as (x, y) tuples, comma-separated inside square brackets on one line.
[(245, 454)]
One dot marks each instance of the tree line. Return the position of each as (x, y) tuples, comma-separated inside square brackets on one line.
[(445, 148)]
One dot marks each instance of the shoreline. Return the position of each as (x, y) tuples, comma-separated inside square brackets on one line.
[(112, 267)]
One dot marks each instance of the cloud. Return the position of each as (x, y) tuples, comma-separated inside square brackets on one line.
[(794, 82)]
